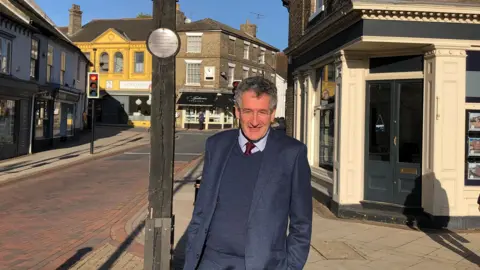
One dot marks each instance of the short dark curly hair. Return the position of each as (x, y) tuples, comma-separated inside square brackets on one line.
[(260, 86)]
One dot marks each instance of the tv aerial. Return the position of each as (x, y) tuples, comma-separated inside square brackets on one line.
[(258, 15)]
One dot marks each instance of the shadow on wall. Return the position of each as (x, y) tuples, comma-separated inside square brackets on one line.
[(437, 227)]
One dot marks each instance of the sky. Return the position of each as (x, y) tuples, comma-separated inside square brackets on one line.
[(272, 22)]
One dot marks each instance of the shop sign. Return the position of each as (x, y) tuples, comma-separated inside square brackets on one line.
[(196, 99), (135, 85)]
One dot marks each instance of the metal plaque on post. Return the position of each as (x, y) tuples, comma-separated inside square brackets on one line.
[(163, 43)]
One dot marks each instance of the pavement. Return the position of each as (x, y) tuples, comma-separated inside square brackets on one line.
[(109, 141)]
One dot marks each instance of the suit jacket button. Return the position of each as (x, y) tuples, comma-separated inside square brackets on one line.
[(198, 256), (206, 231)]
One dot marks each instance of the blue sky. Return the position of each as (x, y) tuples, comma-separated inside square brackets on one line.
[(272, 26)]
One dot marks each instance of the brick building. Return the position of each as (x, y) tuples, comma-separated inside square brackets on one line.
[(213, 55), (385, 95)]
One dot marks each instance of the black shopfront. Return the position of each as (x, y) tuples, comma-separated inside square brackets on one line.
[(15, 116), (217, 109), (54, 117)]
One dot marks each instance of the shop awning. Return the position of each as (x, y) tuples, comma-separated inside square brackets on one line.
[(197, 99), (225, 101)]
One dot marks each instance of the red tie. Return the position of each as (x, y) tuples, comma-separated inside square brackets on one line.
[(249, 147)]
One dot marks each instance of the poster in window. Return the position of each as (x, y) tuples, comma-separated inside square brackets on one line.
[(474, 121), (474, 147), (474, 171)]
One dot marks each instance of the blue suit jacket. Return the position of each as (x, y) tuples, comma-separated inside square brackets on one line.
[(282, 192)]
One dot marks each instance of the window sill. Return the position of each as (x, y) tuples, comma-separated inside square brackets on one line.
[(322, 174), (193, 84)]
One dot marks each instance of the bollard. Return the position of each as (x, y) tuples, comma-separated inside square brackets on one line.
[(197, 186)]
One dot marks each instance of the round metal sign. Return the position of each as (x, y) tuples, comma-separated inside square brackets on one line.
[(163, 43)]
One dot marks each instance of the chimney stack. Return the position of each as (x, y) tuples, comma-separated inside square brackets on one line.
[(75, 22), (248, 28)]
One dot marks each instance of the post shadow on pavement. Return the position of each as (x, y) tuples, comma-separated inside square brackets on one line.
[(78, 256), (436, 227), (187, 179), (122, 248)]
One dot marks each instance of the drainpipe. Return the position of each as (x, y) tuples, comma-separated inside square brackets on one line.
[(31, 125)]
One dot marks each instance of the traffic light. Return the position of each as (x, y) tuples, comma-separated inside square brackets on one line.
[(93, 91)]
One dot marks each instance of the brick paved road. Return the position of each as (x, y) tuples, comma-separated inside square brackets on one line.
[(46, 220)]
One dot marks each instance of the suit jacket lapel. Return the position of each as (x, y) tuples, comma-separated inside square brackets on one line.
[(266, 168)]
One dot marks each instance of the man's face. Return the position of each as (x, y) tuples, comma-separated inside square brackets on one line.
[(255, 115)]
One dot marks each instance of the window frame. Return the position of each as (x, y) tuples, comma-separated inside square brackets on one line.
[(50, 63), (115, 64), (34, 59), (135, 63), (324, 108), (246, 50), (231, 45), (63, 67), (188, 80), (230, 74), (319, 9), (194, 42), (102, 67)]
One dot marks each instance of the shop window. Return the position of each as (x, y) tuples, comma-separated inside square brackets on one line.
[(49, 63), (191, 115), (118, 62), (34, 60), (139, 62), (325, 85), (7, 121), (69, 122), (215, 116), (139, 109), (41, 120), (104, 62), (57, 119), (473, 76), (228, 117)]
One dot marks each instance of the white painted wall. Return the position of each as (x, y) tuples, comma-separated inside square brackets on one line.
[(281, 84)]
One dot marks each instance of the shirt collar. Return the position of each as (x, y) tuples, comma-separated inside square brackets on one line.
[(261, 144)]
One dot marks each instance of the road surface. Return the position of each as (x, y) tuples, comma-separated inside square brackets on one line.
[(48, 218)]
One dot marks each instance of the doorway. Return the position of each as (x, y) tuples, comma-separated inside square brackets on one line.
[(394, 124)]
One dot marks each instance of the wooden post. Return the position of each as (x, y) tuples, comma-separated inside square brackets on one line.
[(159, 225)]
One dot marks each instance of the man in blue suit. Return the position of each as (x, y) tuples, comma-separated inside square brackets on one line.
[(255, 183)]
